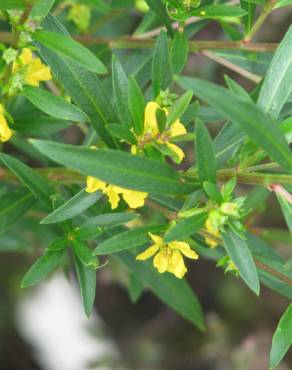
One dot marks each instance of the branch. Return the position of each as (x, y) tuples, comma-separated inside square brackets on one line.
[(138, 43)]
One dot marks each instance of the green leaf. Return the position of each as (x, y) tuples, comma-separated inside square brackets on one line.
[(136, 104), (13, 206), (87, 233), (179, 107), (161, 67), (53, 105), (261, 129), (126, 240), (287, 210), (179, 52), (84, 254), (36, 125), (42, 8), (122, 132), (282, 338), (174, 292), (218, 11), (31, 179), (111, 219), (42, 268), (12, 4), (120, 91), (159, 8), (73, 207), (238, 250), (71, 49), (277, 84), (82, 86), (248, 19), (205, 154), (116, 167), (87, 283), (99, 5), (212, 191), (185, 228), (58, 244)]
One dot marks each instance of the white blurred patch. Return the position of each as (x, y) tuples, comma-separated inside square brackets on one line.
[(50, 317)]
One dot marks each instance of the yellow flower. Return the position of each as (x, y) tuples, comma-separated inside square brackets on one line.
[(5, 132), (168, 257), (133, 198), (35, 71), (213, 231), (151, 132)]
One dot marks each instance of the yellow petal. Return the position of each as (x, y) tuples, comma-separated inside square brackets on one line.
[(177, 265), (150, 120), (177, 151), (157, 239), (134, 149), (177, 129), (93, 184), (213, 231), (113, 196), (161, 262), (37, 72), (26, 56), (185, 249), (135, 199), (149, 252), (5, 131)]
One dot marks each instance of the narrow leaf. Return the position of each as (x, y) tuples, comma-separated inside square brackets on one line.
[(73, 207), (71, 49), (241, 256)]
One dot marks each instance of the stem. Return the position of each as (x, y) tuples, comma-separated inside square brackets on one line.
[(257, 25), (138, 43)]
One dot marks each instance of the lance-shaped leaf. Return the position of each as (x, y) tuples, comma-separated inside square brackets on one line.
[(277, 84), (282, 338), (30, 178), (84, 254), (81, 85), (219, 11), (136, 104), (71, 49), (120, 91), (185, 228), (179, 52), (53, 105), (87, 284), (42, 268), (73, 207), (259, 126), (127, 240), (238, 250), (42, 8), (161, 67), (116, 167), (205, 154), (174, 292), (111, 219), (179, 108)]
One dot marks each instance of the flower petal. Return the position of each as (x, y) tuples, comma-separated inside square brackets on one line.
[(135, 199), (149, 252), (185, 249), (177, 129), (37, 72), (157, 239), (26, 56), (161, 262), (113, 196), (177, 265), (179, 154), (150, 120), (5, 131), (93, 184)]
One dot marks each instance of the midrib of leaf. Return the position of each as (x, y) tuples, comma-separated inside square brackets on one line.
[(15, 204), (278, 84)]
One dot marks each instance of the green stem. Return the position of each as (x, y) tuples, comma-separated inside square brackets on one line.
[(257, 25)]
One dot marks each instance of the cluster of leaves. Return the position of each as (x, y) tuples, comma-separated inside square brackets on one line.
[(132, 151)]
